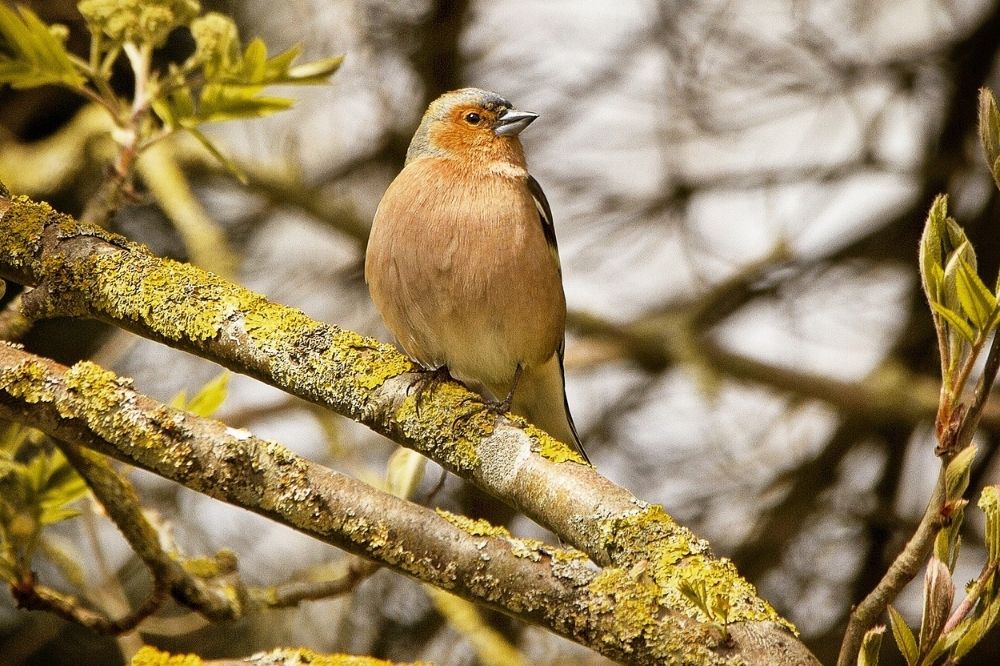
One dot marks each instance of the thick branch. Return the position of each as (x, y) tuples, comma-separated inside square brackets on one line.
[(85, 270), (612, 611)]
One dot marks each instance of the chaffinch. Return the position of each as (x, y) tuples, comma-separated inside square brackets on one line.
[(462, 260)]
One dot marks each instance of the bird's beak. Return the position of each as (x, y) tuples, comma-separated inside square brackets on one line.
[(510, 122)]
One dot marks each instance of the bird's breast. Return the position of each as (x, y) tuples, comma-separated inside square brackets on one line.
[(458, 264)]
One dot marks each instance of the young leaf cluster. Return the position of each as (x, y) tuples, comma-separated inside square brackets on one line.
[(946, 633), (34, 54), (37, 488), (966, 316), (220, 81), (965, 309)]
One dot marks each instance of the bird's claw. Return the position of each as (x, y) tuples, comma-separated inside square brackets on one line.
[(479, 405), (429, 380)]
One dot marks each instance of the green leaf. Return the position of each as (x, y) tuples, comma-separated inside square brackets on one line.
[(210, 396), (976, 299), (62, 487), (956, 321), (989, 502), (956, 475), (989, 130), (958, 242), (978, 628), (176, 108), (57, 513), (931, 256), (230, 166), (901, 632), (220, 102), (8, 568), (871, 644), (234, 80), (34, 55), (404, 472), (315, 72), (949, 539), (12, 438), (949, 286)]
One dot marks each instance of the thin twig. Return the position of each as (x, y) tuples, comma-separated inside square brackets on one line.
[(31, 596), (983, 389), (902, 570), (969, 602), (120, 501), (290, 594), (908, 563)]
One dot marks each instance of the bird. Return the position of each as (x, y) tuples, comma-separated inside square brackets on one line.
[(463, 266)]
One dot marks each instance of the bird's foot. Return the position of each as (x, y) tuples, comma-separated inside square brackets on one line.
[(478, 405), (496, 407), (429, 380)]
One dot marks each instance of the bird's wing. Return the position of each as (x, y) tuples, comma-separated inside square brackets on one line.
[(545, 216)]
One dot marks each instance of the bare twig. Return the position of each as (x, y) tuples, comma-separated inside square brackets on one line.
[(120, 501), (902, 570), (908, 563), (31, 596), (291, 594)]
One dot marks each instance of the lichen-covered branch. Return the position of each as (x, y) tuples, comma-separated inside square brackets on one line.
[(83, 270), (614, 611)]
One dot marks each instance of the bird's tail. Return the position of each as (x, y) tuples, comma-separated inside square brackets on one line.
[(540, 397)]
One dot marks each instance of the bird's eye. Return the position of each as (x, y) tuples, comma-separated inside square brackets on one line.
[(472, 118)]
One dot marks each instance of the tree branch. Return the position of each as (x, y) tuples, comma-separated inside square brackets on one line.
[(902, 570), (82, 269), (617, 612)]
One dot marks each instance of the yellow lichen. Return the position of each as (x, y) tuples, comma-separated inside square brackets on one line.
[(474, 526), (175, 300), (446, 423), (100, 388), (633, 603), (150, 656), (378, 363), (22, 226), (303, 656), (675, 557), (27, 381), (528, 549), (551, 448)]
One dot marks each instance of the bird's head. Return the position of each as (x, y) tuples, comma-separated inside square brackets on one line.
[(471, 123)]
